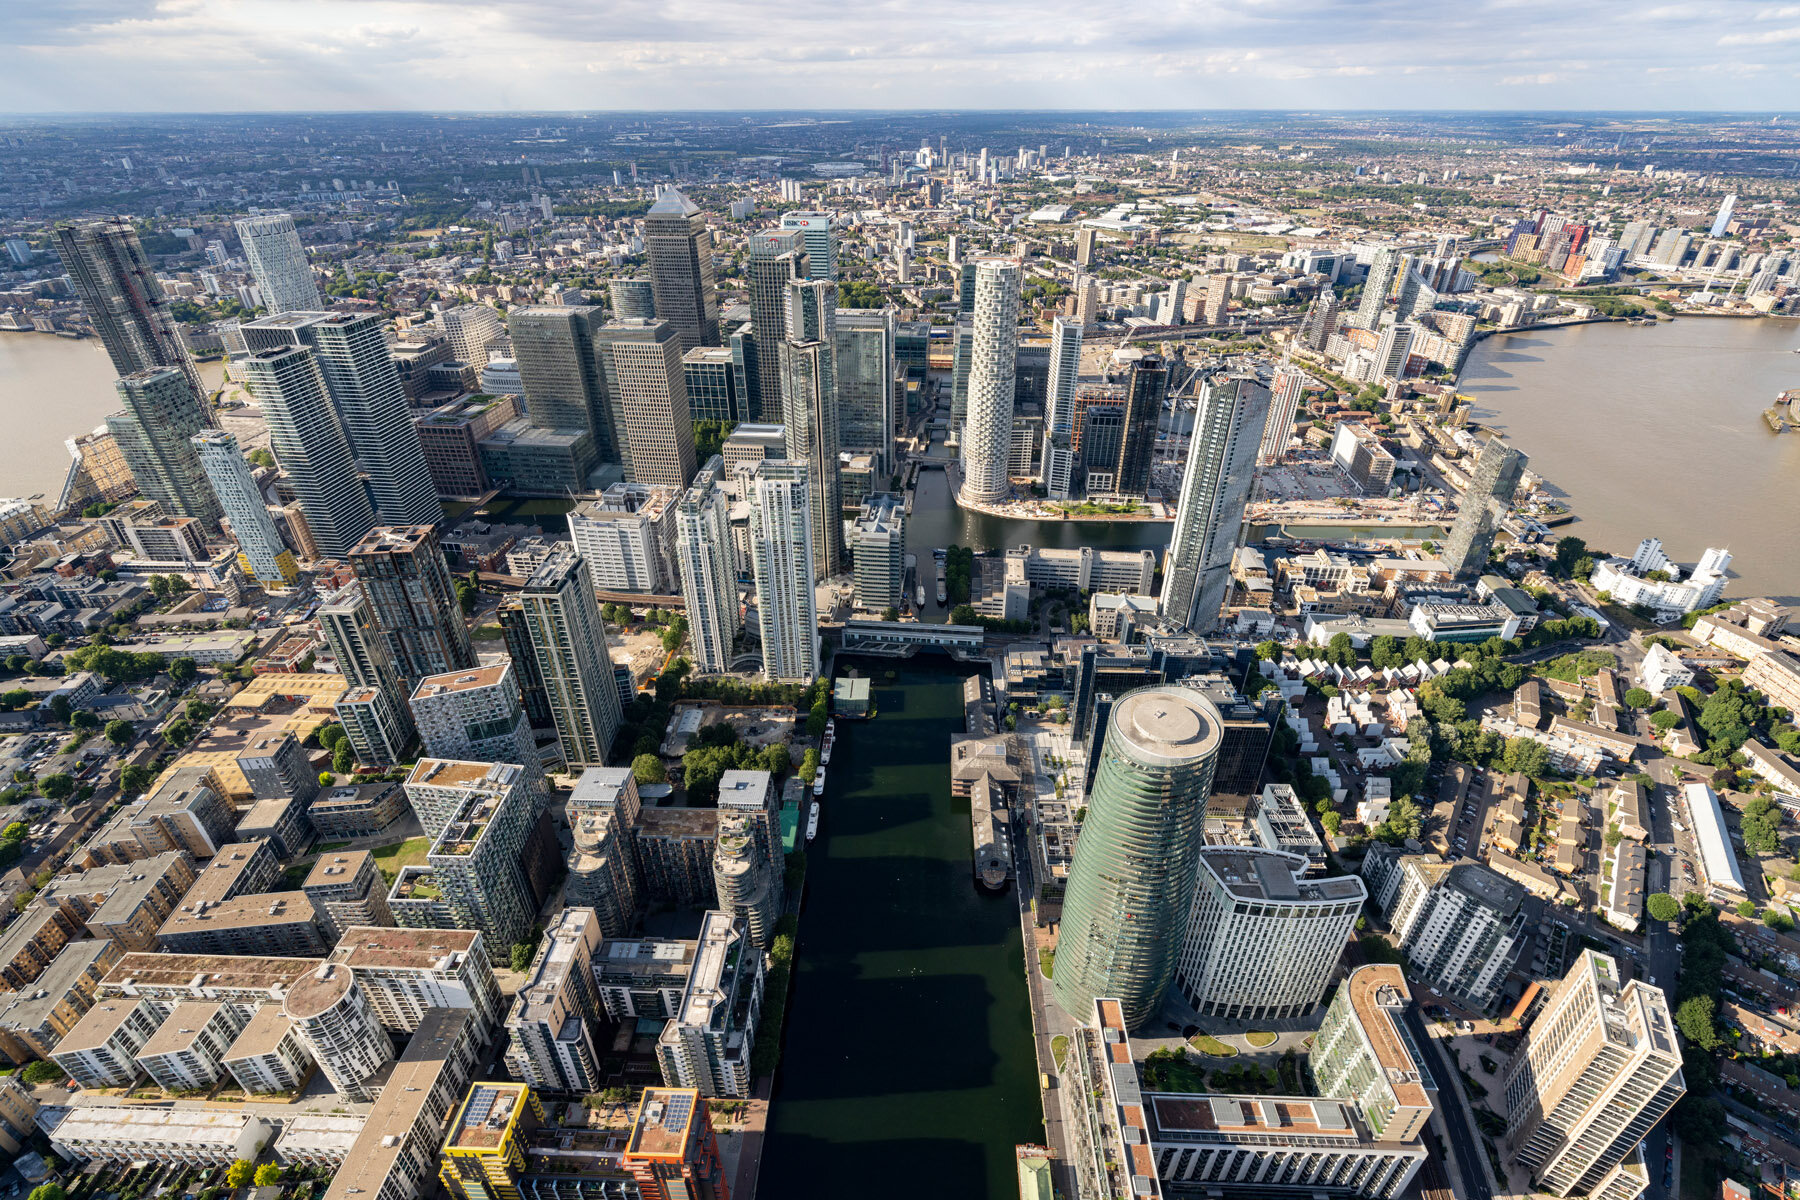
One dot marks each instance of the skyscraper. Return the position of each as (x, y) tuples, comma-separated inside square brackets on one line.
[(278, 263), (640, 366), (707, 558), (310, 444), (987, 438), (1380, 281), (368, 400), (1228, 427), (821, 242), (123, 299), (261, 554), (554, 347), (568, 639), (681, 269), (776, 258), (744, 878), (879, 551), (1492, 485), (475, 715), (706, 1045), (154, 432), (1392, 351), (1321, 320), (962, 349), (781, 551), (1600, 1066), (373, 711), (471, 329), (1132, 880), (1284, 406), (1724, 217), (412, 599), (810, 399), (1065, 366), (1146, 387), (865, 379), (632, 298), (478, 860)]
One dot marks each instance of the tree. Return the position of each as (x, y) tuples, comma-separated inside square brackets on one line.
[(1402, 822), (1639, 698), (809, 766), (1746, 909), (522, 953), (197, 709), (41, 1072), (330, 735), (1341, 651), (1697, 1018), (1762, 825), (1569, 551), (343, 759), (1270, 649), (177, 732), (326, 779), (48, 1191), (59, 709), (84, 720), (648, 768), (1664, 720), (134, 778), (182, 670), (815, 722), (890, 613), (1662, 907), (57, 787), (239, 1173), (1527, 757), (268, 1174)]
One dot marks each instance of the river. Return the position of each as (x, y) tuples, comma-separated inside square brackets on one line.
[(1657, 432), (908, 1067), (51, 389)]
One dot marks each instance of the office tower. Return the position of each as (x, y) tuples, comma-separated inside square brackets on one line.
[(1365, 1053), (154, 432), (1459, 925), (744, 878), (820, 242), (712, 375), (1065, 366), (632, 299), (965, 287), (119, 290), (310, 444), (564, 390), (1217, 301), (775, 259), (471, 329), (278, 263), (1723, 220), (987, 438), (261, 554), (517, 636), (781, 549), (640, 365), (475, 715), (370, 402), (708, 568), (1262, 941), (373, 712), (1376, 285), (1284, 406), (1492, 484), (706, 1044), (746, 374), (482, 818), (962, 359), (1146, 387), (810, 399), (1600, 1066), (681, 269), (347, 891), (864, 345), (1392, 350), (1321, 320), (879, 550), (1133, 877), (551, 1042), (412, 599), (338, 1025), (672, 1152), (568, 639), (1228, 426), (627, 538)]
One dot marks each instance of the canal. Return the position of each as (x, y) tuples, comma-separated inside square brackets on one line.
[(908, 1067)]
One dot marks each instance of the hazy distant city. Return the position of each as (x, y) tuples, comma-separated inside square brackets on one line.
[(649, 656)]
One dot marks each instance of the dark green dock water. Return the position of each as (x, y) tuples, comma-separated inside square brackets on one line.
[(908, 1068)]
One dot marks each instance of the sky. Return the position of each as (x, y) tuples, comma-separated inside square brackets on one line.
[(360, 55)]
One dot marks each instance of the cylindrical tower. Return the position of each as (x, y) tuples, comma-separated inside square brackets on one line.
[(1133, 877), (339, 1026), (993, 361), (742, 877)]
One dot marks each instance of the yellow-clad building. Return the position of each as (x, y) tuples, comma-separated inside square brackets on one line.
[(484, 1154)]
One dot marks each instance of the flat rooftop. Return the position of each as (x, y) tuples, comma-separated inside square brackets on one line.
[(664, 1124), (185, 1022), (116, 1122), (264, 1032), (366, 947), (198, 971), (388, 1127), (1378, 995), (337, 869), (453, 773), (1275, 875), (97, 1025), (1182, 1117), (1168, 725), (490, 1108), (451, 682)]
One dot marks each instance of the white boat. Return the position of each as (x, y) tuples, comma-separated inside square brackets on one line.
[(812, 822), (819, 783), (830, 741)]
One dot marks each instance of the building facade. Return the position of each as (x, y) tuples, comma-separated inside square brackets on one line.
[(1214, 490)]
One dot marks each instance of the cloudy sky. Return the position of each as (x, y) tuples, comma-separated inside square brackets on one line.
[(243, 55)]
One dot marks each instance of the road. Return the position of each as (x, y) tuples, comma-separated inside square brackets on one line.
[(1469, 1153)]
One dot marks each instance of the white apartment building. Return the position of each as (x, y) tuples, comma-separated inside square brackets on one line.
[(627, 538), (781, 530), (1261, 941), (987, 429), (408, 972), (1663, 669), (268, 1054), (476, 716), (707, 1043), (114, 1135), (186, 1053), (278, 263), (102, 1049), (471, 329), (1459, 925), (1648, 577)]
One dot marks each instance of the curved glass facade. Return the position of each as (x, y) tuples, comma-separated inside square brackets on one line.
[(1133, 878)]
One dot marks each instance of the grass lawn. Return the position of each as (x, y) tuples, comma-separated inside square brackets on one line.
[(1172, 1071), (487, 633), (1046, 962), (1059, 1049), (1260, 1038), (1207, 1044), (410, 853), (328, 847)]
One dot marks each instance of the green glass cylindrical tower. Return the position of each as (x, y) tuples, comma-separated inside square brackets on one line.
[(1133, 877)]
